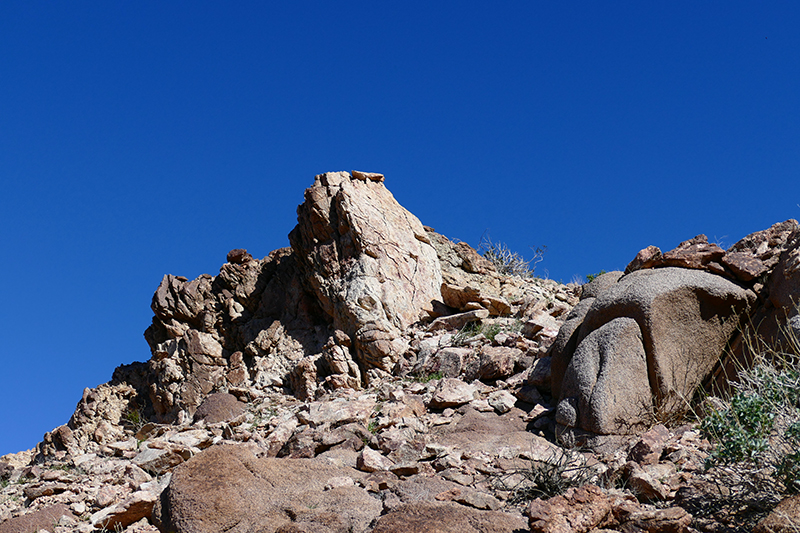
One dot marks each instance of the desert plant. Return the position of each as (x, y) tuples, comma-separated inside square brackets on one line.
[(467, 331), (562, 470), (134, 420), (507, 261), (426, 377), (757, 433), (591, 277)]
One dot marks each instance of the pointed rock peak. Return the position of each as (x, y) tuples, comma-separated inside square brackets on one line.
[(366, 260)]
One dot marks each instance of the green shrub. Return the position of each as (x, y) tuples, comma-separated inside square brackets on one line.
[(590, 277), (756, 436)]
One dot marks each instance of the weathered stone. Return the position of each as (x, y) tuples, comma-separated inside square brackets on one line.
[(743, 265), (578, 510), (219, 407), (157, 461), (686, 318), (239, 256), (567, 340), (451, 393), (303, 379), (785, 518), (767, 245), (5, 471), (646, 486), (668, 520), (497, 362), (225, 488), (606, 388), (502, 401), (339, 411), (648, 448), (458, 321), (41, 519), (364, 176), (447, 518), (135, 507), (447, 361), (696, 253), (368, 261), (370, 460), (646, 258)]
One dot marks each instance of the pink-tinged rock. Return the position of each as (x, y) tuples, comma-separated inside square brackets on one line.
[(785, 518), (670, 520), (576, 511), (338, 412), (364, 176), (650, 445), (540, 321), (219, 407), (646, 258), (157, 461), (42, 519), (743, 265), (646, 486), (367, 260), (204, 348), (445, 517), (280, 436), (695, 253), (370, 460), (449, 361), (451, 392), (768, 245), (135, 507), (498, 362), (458, 321), (226, 488)]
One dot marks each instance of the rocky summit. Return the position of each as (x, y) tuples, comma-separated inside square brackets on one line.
[(377, 377)]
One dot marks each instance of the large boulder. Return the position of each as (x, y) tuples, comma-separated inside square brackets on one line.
[(606, 388), (679, 322), (226, 488), (368, 261)]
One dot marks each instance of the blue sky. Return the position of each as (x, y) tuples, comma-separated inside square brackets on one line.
[(145, 138)]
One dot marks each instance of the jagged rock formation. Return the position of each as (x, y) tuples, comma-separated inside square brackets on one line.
[(369, 263), (376, 376)]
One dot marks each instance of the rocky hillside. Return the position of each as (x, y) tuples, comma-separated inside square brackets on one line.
[(378, 377)]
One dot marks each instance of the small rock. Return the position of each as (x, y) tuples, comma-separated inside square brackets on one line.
[(370, 460), (451, 392), (502, 401)]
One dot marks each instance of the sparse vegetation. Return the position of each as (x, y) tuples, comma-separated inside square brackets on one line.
[(467, 332), (545, 479), (591, 277), (756, 433), (425, 378), (134, 420), (509, 262)]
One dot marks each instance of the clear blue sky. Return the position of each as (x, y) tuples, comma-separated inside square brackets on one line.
[(145, 138)]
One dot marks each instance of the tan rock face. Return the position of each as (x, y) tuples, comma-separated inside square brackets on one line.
[(226, 488), (368, 261), (447, 518), (677, 323)]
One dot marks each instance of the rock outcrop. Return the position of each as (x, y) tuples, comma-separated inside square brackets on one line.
[(376, 376), (369, 263), (638, 345)]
